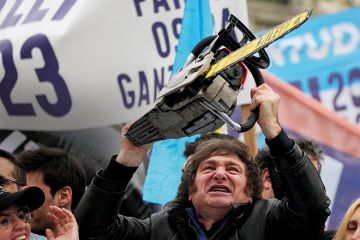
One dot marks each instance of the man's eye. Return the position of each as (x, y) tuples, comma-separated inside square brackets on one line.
[(233, 170), (208, 168)]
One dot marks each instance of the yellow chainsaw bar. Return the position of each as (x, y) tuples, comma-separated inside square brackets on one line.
[(258, 43)]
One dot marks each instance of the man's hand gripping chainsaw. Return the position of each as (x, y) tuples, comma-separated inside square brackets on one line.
[(202, 95)]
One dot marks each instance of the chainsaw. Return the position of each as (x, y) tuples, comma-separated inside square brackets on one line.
[(202, 95)]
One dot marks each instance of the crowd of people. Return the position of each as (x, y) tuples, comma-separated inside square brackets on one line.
[(223, 194)]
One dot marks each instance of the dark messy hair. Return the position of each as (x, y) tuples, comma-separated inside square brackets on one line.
[(311, 148), (190, 147), (19, 173), (263, 158), (216, 146), (58, 168)]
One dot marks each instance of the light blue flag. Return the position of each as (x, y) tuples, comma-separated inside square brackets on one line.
[(166, 160), (197, 23)]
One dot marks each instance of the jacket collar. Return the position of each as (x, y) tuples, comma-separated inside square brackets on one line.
[(238, 213)]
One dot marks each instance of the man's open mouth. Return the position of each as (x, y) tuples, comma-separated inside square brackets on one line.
[(219, 189)]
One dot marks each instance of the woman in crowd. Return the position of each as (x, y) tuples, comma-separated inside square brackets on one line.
[(349, 228), (15, 214)]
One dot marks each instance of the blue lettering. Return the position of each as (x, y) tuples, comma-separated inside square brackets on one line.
[(157, 4), (144, 89), (296, 84), (177, 4), (160, 3), (2, 3), (137, 7), (48, 73), (159, 28), (128, 104), (158, 81), (36, 14), (7, 83), (142, 95), (314, 88), (353, 77), (64, 9), (338, 82), (337, 78), (12, 19), (176, 26)]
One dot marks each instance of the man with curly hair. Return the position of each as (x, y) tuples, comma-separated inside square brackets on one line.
[(219, 193)]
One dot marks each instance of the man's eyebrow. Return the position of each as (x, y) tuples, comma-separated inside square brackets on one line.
[(234, 164), (211, 161), (227, 164)]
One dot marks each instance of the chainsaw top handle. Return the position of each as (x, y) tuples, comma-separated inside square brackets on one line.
[(252, 65)]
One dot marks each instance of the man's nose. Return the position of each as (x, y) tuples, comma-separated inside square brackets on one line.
[(220, 174)]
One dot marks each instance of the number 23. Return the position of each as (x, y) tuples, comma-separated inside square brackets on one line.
[(48, 73)]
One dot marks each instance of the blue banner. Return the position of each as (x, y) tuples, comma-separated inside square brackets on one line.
[(321, 58)]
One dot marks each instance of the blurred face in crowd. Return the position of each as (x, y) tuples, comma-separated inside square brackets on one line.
[(314, 162), (353, 227), (220, 181), (40, 221), (268, 192), (7, 169), (14, 223)]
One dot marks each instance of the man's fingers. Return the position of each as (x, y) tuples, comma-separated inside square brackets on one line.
[(68, 216), (59, 218)]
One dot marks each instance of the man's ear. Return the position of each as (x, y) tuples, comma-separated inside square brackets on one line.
[(63, 197), (265, 176)]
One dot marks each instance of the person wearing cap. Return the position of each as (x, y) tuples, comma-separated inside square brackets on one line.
[(15, 214), (13, 178)]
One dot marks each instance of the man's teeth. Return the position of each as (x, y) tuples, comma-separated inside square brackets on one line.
[(218, 189), (22, 237)]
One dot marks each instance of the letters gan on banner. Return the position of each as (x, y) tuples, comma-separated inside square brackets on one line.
[(83, 63)]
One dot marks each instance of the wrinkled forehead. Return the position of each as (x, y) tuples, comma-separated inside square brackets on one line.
[(197, 157), (223, 158), (218, 157)]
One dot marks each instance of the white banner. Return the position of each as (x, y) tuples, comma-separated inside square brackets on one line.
[(76, 64)]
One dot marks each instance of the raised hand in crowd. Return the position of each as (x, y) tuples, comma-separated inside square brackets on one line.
[(131, 155), (66, 227)]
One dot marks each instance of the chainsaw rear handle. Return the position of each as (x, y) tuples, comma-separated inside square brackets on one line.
[(252, 66), (254, 115)]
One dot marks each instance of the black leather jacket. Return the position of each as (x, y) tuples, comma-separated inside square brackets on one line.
[(263, 219)]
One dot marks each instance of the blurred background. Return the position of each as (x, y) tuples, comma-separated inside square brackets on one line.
[(265, 14)]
